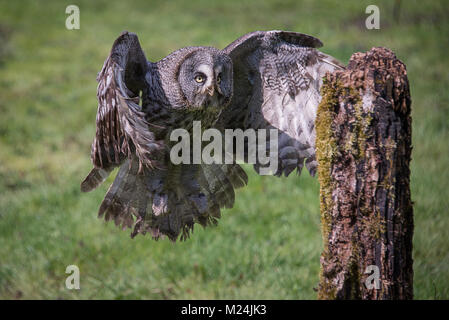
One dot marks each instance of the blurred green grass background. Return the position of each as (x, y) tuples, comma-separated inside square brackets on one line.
[(268, 246)]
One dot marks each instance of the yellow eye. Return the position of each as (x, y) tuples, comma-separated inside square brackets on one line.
[(199, 79), (219, 79)]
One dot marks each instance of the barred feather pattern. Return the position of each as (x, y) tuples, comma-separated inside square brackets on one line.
[(278, 76), (169, 202), (121, 126)]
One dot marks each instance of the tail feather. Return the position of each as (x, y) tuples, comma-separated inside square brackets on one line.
[(94, 179), (169, 202), (236, 175), (220, 185), (119, 203)]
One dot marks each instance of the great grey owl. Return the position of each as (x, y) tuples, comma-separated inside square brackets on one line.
[(262, 80)]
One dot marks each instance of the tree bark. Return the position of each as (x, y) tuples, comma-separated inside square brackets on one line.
[(363, 149)]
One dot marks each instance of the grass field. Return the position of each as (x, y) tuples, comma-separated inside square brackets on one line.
[(268, 245)]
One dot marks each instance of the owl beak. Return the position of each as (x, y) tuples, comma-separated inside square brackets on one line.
[(210, 90)]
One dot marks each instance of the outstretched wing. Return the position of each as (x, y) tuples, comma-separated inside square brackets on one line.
[(277, 80), (121, 126)]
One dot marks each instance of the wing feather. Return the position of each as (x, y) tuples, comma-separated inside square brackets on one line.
[(121, 127), (277, 81)]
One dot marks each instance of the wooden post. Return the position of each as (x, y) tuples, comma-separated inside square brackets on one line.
[(363, 149)]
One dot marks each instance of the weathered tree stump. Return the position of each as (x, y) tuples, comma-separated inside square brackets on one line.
[(363, 150)]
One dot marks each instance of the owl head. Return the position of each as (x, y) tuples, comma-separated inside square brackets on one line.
[(205, 78)]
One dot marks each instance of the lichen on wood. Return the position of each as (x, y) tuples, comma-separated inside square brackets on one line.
[(363, 147)]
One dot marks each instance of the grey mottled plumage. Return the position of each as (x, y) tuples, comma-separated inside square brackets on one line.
[(261, 80)]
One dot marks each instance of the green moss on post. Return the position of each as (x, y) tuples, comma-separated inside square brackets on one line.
[(326, 149)]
